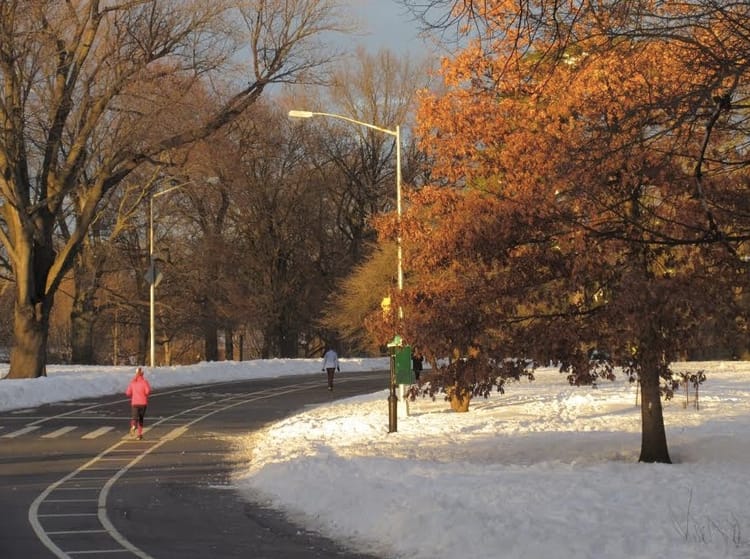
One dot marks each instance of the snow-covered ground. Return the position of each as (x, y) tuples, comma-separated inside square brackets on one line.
[(544, 471)]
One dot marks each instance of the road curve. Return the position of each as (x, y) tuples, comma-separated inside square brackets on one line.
[(166, 496)]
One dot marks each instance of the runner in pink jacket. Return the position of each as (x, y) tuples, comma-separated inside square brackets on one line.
[(138, 390)]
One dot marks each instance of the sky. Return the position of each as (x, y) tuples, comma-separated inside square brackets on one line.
[(385, 24), (545, 470)]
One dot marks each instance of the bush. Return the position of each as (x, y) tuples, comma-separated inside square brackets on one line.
[(466, 378)]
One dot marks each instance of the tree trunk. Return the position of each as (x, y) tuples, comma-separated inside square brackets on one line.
[(82, 328), (288, 343), (211, 342), (28, 357), (167, 351), (144, 340), (459, 399), (653, 436), (87, 274), (228, 344)]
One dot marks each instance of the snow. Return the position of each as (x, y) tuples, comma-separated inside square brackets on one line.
[(545, 470)]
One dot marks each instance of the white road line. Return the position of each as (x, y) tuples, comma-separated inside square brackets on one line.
[(59, 432), (66, 532), (20, 432), (98, 551), (97, 433), (70, 500), (130, 435), (33, 513), (65, 514)]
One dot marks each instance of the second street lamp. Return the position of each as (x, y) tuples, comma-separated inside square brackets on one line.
[(392, 399), (153, 276)]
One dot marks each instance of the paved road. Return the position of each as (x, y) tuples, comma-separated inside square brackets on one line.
[(73, 484)]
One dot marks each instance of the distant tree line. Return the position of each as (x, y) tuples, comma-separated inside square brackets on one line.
[(106, 107)]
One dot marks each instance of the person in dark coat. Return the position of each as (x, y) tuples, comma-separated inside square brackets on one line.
[(416, 363)]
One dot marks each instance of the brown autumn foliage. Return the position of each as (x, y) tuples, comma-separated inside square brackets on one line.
[(592, 190)]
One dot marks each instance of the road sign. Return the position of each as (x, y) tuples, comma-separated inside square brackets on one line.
[(153, 276)]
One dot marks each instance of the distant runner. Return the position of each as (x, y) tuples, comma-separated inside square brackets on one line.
[(138, 390), (331, 365)]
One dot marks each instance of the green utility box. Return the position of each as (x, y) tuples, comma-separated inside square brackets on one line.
[(404, 374)]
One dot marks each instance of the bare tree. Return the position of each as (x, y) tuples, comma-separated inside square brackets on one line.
[(89, 93), (284, 220), (379, 89)]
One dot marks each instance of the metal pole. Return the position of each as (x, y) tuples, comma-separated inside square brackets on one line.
[(392, 398), (152, 271), (398, 214)]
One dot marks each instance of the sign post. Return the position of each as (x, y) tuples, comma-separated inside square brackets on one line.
[(393, 347), (404, 377)]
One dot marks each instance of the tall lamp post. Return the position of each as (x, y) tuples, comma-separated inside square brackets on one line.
[(153, 276), (396, 134), (392, 399)]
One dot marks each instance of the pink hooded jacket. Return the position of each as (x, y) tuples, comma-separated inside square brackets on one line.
[(138, 389)]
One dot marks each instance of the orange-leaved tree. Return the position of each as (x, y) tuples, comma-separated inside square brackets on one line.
[(591, 173)]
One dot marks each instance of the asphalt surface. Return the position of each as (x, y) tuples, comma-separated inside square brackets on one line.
[(74, 484)]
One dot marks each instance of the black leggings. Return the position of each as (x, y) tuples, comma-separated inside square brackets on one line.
[(137, 413)]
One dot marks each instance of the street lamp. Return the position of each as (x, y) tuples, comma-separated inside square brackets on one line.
[(397, 134), (153, 276), (392, 399)]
